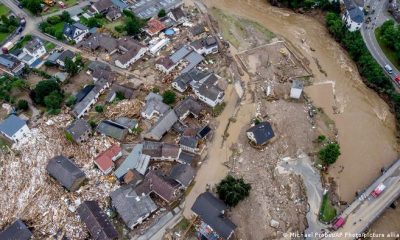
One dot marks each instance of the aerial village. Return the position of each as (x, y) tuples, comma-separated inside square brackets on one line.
[(126, 144)]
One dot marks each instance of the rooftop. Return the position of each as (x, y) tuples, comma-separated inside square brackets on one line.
[(11, 125)]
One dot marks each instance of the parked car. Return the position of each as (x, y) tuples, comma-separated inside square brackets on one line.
[(388, 68), (397, 79)]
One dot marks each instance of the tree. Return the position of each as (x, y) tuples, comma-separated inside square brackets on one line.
[(232, 190), (71, 67), (35, 6), (99, 108), (133, 24), (330, 153), (162, 13), (70, 100), (43, 89), (169, 97), (66, 17), (53, 100), (22, 104)]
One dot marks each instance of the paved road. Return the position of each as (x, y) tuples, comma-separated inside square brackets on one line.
[(32, 28), (366, 209), (368, 33)]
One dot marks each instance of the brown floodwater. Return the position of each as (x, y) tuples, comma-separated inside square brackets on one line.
[(366, 128)]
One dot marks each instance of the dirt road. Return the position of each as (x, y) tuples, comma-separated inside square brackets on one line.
[(366, 127)]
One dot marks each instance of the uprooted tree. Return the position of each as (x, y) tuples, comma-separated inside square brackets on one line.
[(232, 190)]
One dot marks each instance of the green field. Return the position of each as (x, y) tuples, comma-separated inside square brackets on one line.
[(327, 212), (4, 10), (390, 54), (3, 36)]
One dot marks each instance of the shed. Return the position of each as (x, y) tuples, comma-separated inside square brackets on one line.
[(66, 172), (260, 133), (297, 89)]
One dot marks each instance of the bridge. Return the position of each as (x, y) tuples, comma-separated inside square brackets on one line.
[(364, 210)]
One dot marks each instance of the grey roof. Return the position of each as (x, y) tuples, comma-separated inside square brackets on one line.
[(120, 4), (188, 141), (209, 89), (131, 207), (61, 76), (154, 102), (210, 209), (194, 75), (177, 13), (96, 221), (135, 160), (87, 100), (102, 5), (11, 125), (9, 61), (356, 14), (262, 132), (112, 129), (162, 185), (64, 171), (162, 126), (131, 49), (183, 174), (193, 60), (128, 123), (186, 157), (115, 88), (149, 8), (78, 128), (197, 30), (74, 11), (70, 29), (207, 42), (16, 231), (98, 65), (188, 105), (297, 84), (66, 54), (100, 40), (33, 45), (53, 57), (180, 54), (159, 150)]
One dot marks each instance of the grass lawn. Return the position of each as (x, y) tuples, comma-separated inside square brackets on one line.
[(327, 212), (3, 36), (59, 26), (4, 10), (390, 54), (49, 46), (101, 20)]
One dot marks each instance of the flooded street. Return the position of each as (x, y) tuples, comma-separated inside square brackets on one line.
[(366, 128)]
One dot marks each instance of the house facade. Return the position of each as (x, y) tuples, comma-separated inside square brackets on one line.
[(75, 32), (33, 50), (14, 128)]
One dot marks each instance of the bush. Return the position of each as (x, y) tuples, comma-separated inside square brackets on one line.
[(232, 190), (99, 108), (169, 97), (92, 124), (162, 13), (53, 100), (330, 153), (70, 100), (321, 138), (22, 104), (43, 89)]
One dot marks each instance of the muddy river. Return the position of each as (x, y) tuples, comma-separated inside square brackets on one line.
[(366, 128)]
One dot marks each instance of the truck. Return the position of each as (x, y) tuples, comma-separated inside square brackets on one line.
[(338, 223), (6, 47), (378, 190)]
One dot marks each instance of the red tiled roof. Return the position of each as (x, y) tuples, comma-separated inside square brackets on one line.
[(155, 26), (104, 160)]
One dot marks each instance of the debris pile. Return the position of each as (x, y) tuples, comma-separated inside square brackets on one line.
[(124, 108)]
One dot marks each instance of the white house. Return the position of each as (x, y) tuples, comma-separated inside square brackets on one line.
[(353, 15), (14, 128), (131, 52), (156, 47), (32, 51), (297, 89), (166, 65), (209, 92), (205, 46), (75, 32)]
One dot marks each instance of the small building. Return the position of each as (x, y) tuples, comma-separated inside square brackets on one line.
[(79, 130), (189, 106), (188, 143), (157, 46), (183, 81), (102, 6), (131, 207), (14, 128), (128, 123), (63, 56), (32, 51), (154, 26), (75, 32), (16, 231), (197, 30), (205, 45), (11, 65), (166, 65), (96, 221), (261, 133), (125, 91), (66, 172), (186, 158), (112, 129), (297, 89), (161, 151), (183, 174), (131, 50), (146, 9), (160, 184), (154, 106), (105, 160), (136, 160), (162, 126), (209, 92), (214, 223), (177, 15), (113, 14), (203, 132), (353, 15)]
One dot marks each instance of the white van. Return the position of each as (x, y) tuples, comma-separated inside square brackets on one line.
[(388, 69)]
